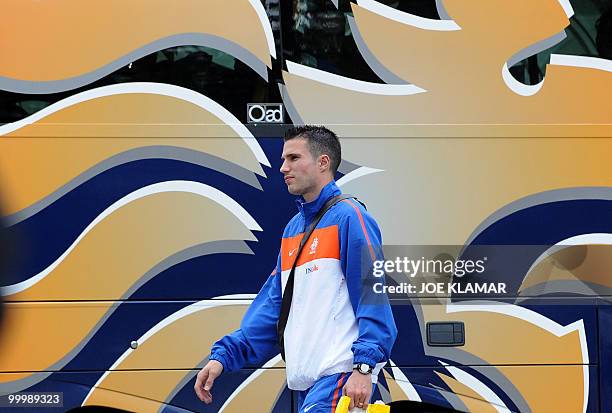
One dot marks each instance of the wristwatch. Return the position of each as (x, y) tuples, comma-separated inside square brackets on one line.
[(363, 368)]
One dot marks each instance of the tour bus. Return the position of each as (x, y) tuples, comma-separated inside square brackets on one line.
[(140, 148)]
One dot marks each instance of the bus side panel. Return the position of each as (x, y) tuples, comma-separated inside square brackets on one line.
[(605, 356)]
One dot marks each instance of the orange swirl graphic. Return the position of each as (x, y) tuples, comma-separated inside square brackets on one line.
[(442, 189), (105, 265), (464, 73), (180, 341), (84, 130), (470, 398), (131, 240), (582, 268), (395, 390), (100, 32), (490, 328)]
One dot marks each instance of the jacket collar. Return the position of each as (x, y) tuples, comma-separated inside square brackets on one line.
[(310, 209)]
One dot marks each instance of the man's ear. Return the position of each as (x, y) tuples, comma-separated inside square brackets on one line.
[(324, 162)]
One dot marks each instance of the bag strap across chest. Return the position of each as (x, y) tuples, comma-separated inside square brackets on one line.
[(288, 293)]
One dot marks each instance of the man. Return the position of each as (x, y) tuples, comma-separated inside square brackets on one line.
[(333, 340)]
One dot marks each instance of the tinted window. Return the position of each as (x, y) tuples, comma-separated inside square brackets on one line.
[(589, 34)]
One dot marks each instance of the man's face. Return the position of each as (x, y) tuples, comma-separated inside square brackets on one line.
[(299, 167)]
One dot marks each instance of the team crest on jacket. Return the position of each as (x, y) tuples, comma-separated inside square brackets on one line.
[(313, 246)]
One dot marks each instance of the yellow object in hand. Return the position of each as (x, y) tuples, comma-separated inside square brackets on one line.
[(343, 404), (345, 401)]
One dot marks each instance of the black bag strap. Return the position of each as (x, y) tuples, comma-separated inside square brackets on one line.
[(288, 293)]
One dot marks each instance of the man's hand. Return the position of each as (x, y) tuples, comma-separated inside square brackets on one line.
[(359, 388), (205, 379)]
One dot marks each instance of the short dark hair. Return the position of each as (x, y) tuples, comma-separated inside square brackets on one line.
[(320, 141)]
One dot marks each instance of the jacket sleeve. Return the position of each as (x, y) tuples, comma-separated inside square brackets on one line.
[(255, 342), (360, 245)]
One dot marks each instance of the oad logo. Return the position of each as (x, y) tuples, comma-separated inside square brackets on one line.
[(265, 113)]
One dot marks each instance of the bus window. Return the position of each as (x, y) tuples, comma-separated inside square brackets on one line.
[(317, 34)]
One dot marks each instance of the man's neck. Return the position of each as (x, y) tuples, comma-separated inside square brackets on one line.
[(314, 194)]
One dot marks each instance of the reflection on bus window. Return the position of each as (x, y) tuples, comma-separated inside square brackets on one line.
[(317, 34)]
